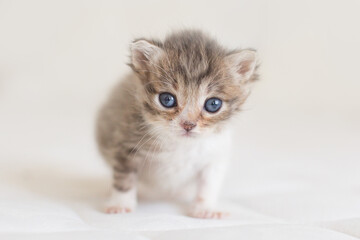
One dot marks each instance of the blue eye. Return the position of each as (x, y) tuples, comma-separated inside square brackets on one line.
[(167, 100), (213, 105)]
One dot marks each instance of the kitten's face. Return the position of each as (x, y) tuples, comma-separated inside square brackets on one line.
[(190, 108), (191, 92)]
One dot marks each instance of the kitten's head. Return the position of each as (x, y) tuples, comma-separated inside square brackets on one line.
[(190, 85)]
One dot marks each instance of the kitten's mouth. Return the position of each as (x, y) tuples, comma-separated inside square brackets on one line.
[(188, 134)]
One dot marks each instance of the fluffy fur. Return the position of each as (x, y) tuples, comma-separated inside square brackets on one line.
[(146, 143)]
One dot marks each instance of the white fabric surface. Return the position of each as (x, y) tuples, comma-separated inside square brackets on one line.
[(277, 188), (295, 168)]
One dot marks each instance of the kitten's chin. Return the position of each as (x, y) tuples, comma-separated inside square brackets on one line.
[(191, 134), (196, 134), (188, 134)]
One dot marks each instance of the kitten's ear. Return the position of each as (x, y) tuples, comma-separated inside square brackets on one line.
[(143, 53), (243, 64)]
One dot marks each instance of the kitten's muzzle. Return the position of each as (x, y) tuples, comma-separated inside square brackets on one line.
[(188, 126)]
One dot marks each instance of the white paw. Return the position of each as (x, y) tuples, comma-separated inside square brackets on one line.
[(121, 202), (118, 209), (207, 213)]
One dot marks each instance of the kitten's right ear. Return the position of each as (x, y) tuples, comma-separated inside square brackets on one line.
[(143, 54), (243, 64)]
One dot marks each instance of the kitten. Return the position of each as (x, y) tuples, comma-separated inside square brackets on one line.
[(166, 128)]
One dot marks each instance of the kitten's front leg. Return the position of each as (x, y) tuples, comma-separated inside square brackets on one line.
[(209, 184), (123, 197)]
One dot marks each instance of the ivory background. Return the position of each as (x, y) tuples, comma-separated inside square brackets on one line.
[(295, 172)]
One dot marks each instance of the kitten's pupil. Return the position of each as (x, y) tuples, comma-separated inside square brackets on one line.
[(167, 100), (213, 105)]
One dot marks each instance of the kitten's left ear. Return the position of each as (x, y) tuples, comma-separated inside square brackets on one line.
[(243, 64), (143, 54)]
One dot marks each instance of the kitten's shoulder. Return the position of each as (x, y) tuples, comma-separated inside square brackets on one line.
[(120, 112)]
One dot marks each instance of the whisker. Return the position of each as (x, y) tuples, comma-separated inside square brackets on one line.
[(151, 131), (154, 135), (153, 153)]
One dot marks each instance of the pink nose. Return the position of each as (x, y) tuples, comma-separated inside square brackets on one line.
[(188, 126)]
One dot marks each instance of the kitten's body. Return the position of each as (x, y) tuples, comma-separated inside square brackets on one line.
[(144, 141)]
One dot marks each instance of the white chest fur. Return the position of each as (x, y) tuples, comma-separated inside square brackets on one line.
[(180, 162)]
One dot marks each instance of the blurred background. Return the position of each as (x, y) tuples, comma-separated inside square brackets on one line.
[(297, 141)]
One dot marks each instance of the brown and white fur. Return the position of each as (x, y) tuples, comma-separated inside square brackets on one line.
[(150, 147)]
